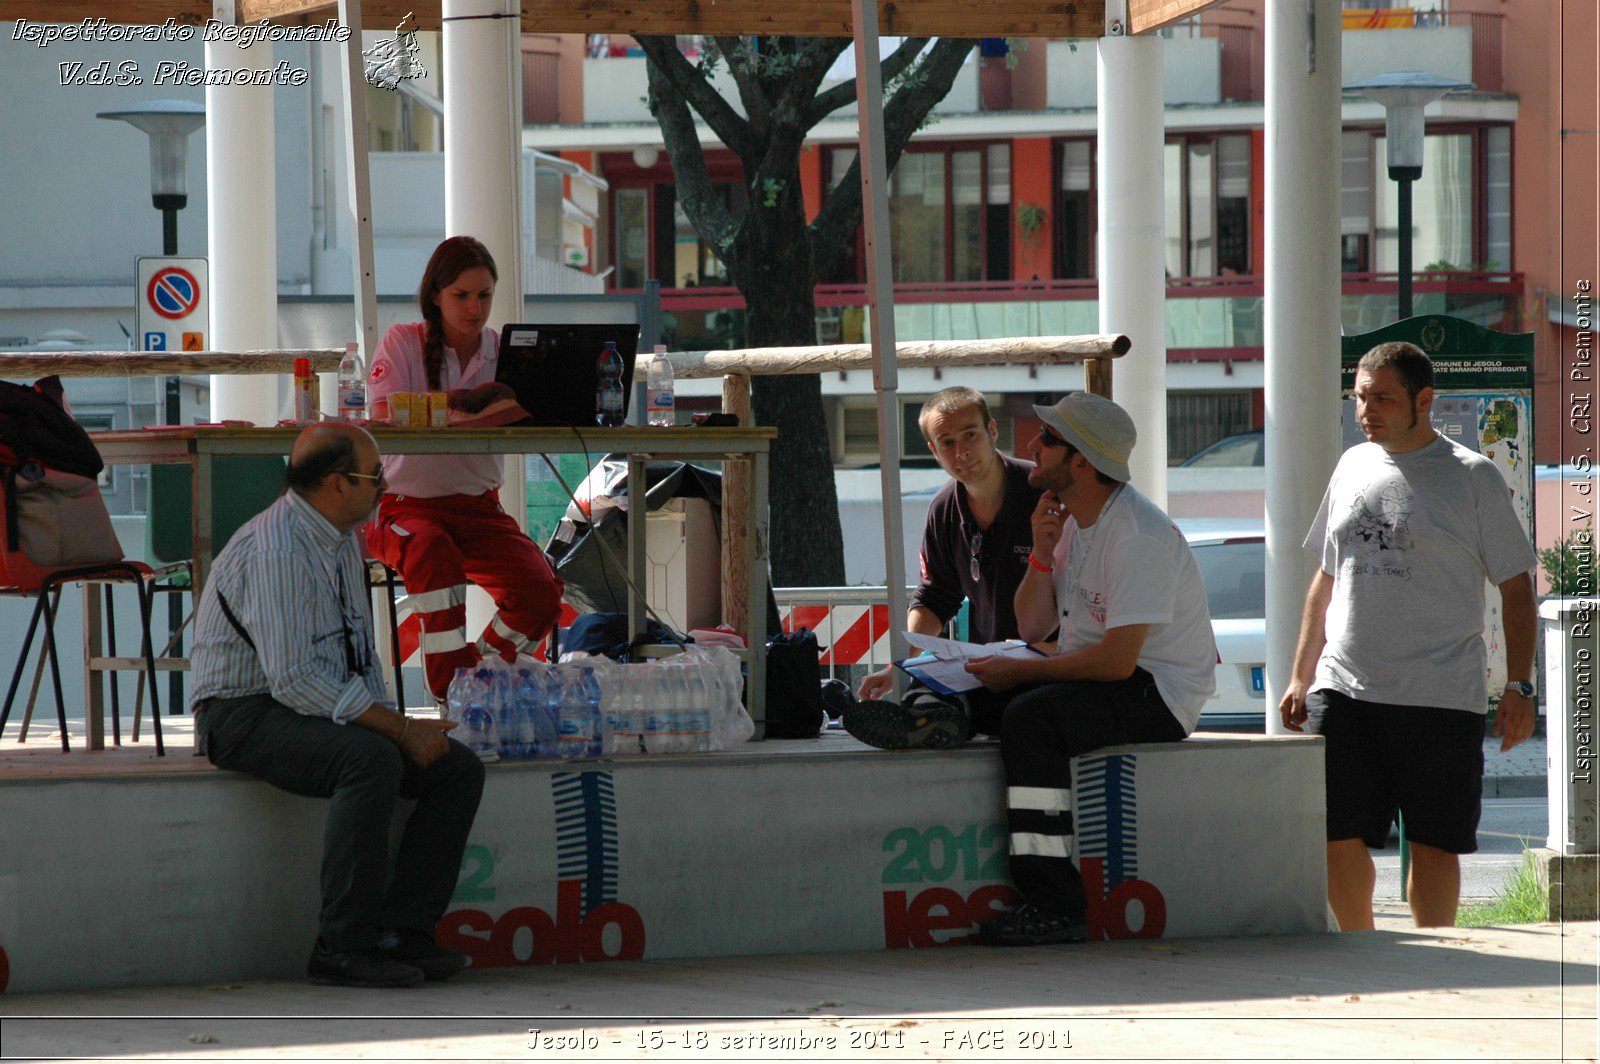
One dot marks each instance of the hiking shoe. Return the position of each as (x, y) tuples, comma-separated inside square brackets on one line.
[(927, 724), (420, 951), (359, 967), (1030, 925)]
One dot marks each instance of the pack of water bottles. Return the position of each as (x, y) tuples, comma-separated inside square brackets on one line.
[(585, 707)]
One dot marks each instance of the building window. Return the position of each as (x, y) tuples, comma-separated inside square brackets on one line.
[(654, 238), (1074, 213), (1207, 202), (1196, 420), (853, 428), (633, 237), (1497, 198), (1355, 202), (398, 122), (949, 216), (1441, 206)]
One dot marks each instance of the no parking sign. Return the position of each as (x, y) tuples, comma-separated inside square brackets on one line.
[(174, 303)]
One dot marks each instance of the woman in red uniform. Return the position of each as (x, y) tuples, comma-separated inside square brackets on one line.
[(441, 524)]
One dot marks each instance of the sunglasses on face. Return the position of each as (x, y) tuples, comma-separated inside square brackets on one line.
[(1050, 439)]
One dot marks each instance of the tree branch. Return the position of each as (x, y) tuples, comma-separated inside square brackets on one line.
[(700, 201), (903, 113), (844, 93), (690, 85), (815, 60), (736, 53)]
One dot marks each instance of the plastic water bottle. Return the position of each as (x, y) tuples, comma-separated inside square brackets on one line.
[(352, 384), (549, 720), (594, 721), (579, 724), (608, 389), (527, 700), (455, 698), (697, 708), (662, 406), (477, 720)]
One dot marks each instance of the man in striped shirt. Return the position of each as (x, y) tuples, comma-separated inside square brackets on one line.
[(287, 688)]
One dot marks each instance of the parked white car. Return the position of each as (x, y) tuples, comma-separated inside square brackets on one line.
[(1232, 555)]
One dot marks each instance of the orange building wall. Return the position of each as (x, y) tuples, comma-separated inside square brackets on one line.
[(811, 181), (1550, 65), (586, 160), (1031, 171)]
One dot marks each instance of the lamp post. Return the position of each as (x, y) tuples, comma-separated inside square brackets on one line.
[(1403, 95), (168, 123)]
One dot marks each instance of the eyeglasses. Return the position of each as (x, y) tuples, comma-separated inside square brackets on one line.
[(1050, 439), (974, 545)]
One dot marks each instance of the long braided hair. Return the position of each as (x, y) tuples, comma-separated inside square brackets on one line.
[(452, 258)]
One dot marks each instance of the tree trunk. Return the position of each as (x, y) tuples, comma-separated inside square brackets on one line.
[(778, 285)]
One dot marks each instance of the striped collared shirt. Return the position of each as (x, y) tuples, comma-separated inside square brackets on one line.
[(297, 586)]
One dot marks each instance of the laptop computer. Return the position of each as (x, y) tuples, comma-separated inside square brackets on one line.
[(554, 369)]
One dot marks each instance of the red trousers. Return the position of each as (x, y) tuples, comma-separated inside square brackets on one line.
[(437, 545)]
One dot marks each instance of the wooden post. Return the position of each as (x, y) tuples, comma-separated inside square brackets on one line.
[(735, 500), (1097, 376)]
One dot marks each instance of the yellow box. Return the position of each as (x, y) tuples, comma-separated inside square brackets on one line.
[(402, 410), (438, 409)]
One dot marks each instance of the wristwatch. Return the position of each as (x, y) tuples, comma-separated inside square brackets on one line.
[(1522, 687)]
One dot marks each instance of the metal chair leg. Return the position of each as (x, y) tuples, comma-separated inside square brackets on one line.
[(38, 672), (147, 601), (16, 674), (55, 676), (389, 584)]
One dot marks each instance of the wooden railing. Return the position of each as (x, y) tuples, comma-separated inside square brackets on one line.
[(734, 367)]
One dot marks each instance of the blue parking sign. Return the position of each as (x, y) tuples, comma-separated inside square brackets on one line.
[(155, 341)]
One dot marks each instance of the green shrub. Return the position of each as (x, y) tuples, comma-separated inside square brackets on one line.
[(1520, 902), (1569, 565)]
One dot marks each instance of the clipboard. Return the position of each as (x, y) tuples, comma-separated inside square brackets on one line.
[(949, 676)]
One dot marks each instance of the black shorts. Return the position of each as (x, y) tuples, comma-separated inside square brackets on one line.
[(1425, 762)]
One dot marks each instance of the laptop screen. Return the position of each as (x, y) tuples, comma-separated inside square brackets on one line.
[(554, 369)]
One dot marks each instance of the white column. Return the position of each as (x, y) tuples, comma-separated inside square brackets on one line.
[(482, 80), (242, 230), (483, 138), (1132, 230), (1302, 305), (880, 307)]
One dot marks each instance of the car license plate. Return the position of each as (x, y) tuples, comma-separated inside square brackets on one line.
[(1258, 679)]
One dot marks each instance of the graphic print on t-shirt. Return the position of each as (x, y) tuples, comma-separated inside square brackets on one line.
[(1381, 524)]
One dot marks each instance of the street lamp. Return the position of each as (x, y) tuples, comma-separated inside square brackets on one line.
[(1403, 96), (168, 124)]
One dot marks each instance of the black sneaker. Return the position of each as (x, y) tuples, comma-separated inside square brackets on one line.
[(927, 724), (419, 951), (360, 967), (1030, 925)]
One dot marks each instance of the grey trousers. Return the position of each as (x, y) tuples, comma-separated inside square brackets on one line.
[(362, 774)]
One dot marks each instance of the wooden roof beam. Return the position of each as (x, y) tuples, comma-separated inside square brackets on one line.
[(1145, 16), (816, 18)]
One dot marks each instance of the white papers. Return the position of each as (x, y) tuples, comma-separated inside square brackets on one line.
[(943, 666), (955, 650)]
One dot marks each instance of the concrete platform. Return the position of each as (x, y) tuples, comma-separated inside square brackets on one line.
[(121, 869), (1525, 993)]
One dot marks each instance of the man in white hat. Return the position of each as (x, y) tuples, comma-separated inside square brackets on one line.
[(1134, 660)]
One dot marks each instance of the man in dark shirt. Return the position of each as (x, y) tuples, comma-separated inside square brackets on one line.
[(975, 544)]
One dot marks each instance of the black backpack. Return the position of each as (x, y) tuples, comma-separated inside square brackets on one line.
[(35, 427)]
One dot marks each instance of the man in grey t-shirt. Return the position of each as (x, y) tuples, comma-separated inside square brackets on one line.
[(1391, 665)]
